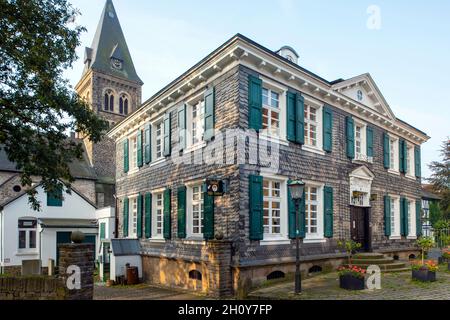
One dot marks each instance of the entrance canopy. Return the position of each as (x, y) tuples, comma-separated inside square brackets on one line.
[(68, 223), (360, 186)]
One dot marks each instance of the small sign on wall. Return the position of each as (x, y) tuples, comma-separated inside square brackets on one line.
[(214, 188), (373, 197)]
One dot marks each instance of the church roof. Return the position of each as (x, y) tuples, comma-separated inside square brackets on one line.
[(109, 42)]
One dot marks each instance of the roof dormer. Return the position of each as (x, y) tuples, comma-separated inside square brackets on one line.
[(288, 53)]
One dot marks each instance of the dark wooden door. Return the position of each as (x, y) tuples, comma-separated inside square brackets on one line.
[(359, 224)]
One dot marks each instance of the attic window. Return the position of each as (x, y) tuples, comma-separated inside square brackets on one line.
[(17, 188)]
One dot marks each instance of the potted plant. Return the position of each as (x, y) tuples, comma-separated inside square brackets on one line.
[(425, 271), (446, 256), (350, 247), (351, 277)]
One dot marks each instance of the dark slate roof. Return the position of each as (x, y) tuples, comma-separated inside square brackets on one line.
[(108, 42), (80, 169), (125, 247), (427, 195)]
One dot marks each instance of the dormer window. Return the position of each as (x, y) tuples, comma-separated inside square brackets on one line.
[(289, 54)]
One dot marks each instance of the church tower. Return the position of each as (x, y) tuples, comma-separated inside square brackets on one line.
[(111, 86)]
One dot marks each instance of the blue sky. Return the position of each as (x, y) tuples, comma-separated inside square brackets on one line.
[(408, 56)]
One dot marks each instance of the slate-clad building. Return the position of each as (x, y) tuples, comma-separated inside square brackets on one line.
[(360, 163)]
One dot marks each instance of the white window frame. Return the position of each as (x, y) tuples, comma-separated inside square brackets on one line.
[(282, 94), (362, 156), (189, 120), (189, 210), (154, 139), (132, 217), (155, 208), (394, 143), (312, 103), (283, 236), (410, 161), (395, 232), (319, 235), (27, 237), (412, 214), (133, 153)]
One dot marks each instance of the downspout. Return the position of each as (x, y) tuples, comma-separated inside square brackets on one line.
[(1, 241), (116, 217)]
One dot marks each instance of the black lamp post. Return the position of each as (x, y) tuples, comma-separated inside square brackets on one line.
[(296, 189)]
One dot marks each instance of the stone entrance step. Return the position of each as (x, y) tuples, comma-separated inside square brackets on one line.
[(386, 264)]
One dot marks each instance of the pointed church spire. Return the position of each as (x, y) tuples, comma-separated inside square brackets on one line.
[(109, 51)]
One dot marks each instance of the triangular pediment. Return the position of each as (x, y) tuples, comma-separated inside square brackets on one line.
[(362, 172), (364, 90)]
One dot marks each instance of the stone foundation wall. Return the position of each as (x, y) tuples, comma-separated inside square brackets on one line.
[(32, 288)]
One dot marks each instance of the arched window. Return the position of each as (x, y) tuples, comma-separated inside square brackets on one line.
[(123, 104), (109, 100), (275, 275)]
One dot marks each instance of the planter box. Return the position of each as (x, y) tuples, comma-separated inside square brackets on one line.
[(424, 275), (350, 282)]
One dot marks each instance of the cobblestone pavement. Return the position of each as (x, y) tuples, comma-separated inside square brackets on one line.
[(394, 286), (141, 292)]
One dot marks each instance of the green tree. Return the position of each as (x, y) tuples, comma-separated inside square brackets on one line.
[(37, 105), (440, 179)]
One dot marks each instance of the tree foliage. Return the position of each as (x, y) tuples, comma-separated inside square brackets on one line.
[(37, 105), (440, 179)]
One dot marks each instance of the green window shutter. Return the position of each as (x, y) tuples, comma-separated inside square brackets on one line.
[(148, 215), (403, 216), (167, 136), (350, 136), (148, 143), (55, 198), (302, 217), (167, 214), (327, 129), (139, 199), (417, 162), (208, 216), (386, 151), (418, 218), (102, 230), (254, 103), (300, 113), (139, 161), (402, 155), (369, 139), (291, 116), (125, 217), (387, 216), (210, 102), (181, 213), (126, 164), (182, 127), (328, 211), (256, 207)]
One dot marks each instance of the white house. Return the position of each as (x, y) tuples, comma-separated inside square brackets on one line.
[(26, 234)]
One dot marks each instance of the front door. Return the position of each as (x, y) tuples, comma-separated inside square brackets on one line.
[(360, 226)]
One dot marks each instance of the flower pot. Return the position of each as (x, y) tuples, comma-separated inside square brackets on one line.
[(424, 275), (350, 282)]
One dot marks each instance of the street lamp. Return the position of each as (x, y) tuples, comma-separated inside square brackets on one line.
[(296, 189)]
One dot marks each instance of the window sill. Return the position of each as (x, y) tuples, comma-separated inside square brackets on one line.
[(194, 240), (410, 177), (394, 172), (158, 161), (27, 253), (314, 240), (133, 171), (274, 241), (274, 139), (411, 237), (157, 240), (395, 237), (313, 149), (196, 146)]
